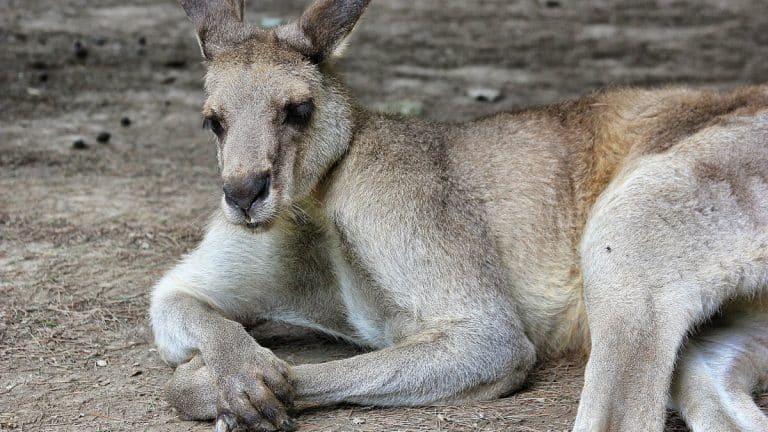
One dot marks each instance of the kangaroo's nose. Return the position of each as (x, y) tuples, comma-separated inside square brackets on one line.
[(242, 193)]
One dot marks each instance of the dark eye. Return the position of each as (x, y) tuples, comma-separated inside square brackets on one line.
[(299, 114), (214, 124)]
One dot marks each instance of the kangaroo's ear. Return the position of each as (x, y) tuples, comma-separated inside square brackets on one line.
[(219, 24), (322, 28)]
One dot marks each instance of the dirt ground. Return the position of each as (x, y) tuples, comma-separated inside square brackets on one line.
[(84, 232)]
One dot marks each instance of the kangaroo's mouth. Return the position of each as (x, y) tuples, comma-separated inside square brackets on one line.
[(257, 218), (258, 225), (255, 226)]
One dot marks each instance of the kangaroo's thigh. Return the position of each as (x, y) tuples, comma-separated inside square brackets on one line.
[(662, 251)]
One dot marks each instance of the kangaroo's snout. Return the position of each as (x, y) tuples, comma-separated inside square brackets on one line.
[(245, 192)]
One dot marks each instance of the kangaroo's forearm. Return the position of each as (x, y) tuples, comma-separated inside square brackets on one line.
[(183, 326), (201, 302), (417, 374)]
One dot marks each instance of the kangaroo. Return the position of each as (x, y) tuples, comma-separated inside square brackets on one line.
[(629, 226)]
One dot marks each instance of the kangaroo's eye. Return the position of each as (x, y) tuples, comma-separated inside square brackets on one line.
[(299, 114), (214, 124)]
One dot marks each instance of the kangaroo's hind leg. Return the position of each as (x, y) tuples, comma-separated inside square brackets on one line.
[(718, 372), (664, 250)]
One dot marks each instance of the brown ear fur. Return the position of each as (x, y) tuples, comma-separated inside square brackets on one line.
[(219, 23), (323, 27)]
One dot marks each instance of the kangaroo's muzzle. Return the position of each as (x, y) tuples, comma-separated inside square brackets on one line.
[(246, 194)]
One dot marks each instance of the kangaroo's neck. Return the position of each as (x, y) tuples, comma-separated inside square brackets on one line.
[(354, 133)]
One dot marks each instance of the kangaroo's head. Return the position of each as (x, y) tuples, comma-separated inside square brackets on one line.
[(280, 119)]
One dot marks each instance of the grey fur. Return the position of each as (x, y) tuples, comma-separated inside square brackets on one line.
[(462, 254)]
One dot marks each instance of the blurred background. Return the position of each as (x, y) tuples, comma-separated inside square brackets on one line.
[(106, 177)]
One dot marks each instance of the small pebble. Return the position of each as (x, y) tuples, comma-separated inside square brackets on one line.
[(103, 137), (125, 121), (175, 64), (101, 363), (358, 420), (79, 144), (484, 94), (81, 51), (136, 372)]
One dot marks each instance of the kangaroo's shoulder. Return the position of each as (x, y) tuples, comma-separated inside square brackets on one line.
[(390, 144)]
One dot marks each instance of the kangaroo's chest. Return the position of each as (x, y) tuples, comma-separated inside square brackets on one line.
[(362, 304), (369, 266)]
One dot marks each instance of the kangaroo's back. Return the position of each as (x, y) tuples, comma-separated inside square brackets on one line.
[(536, 174)]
